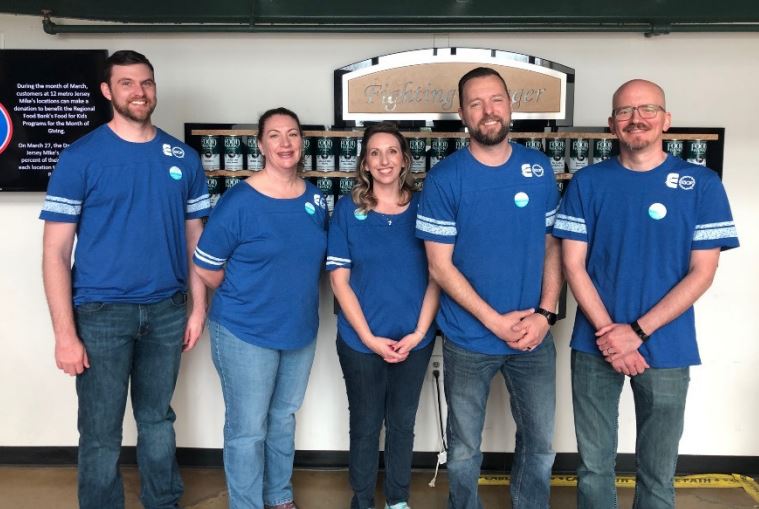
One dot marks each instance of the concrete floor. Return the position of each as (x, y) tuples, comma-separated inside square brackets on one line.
[(55, 488)]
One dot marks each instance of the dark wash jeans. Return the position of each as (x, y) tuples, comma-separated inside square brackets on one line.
[(659, 396), (379, 391), (531, 381), (141, 343)]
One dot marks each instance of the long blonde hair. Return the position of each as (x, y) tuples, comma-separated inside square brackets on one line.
[(362, 193)]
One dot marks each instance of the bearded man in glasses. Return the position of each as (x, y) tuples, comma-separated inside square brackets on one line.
[(642, 235)]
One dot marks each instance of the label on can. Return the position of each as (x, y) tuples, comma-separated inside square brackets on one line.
[(327, 187), (697, 152), (308, 153), (439, 149), (348, 154), (674, 147), (602, 150), (346, 185), (418, 148), (210, 155), (233, 160), (579, 150), (230, 182), (215, 185), (556, 150), (534, 143), (418, 184), (255, 157), (325, 154), (461, 143)]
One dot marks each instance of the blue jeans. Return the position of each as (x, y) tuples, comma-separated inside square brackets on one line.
[(263, 388), (141, 343), (531, 381), (659, 411), (379, 391)]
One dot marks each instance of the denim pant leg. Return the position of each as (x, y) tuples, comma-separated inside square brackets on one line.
[(531, 380), (157, 355), (289, 390), (467, 377), (404, 388), (659, 413), (108, 332), (366, 378), (596, 389)]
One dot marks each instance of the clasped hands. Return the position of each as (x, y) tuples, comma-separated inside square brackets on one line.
[(619, 345)]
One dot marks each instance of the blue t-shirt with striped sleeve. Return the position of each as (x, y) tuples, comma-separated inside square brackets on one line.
[(388, 270), (272, 252), (497, 218), (641, 228), (130, 202)]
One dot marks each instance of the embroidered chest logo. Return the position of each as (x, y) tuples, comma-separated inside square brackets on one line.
[(168, 150), (530, 170), (674, 180)]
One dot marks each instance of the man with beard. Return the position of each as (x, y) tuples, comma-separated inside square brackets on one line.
[(133, 197), (486, 216), (642, 237)]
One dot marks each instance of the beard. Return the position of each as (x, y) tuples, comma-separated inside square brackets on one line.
[(633, 143), (142, 116), (490, 139)]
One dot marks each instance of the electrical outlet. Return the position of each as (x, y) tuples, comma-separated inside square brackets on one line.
[(436, 364)]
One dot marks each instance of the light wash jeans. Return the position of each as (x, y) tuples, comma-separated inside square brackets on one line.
[(141, 344), (263, 388), (531, 381), (659, 412), (381, 392)]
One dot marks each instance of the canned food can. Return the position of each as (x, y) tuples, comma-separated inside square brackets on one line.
[(210, 153), (439, 149), (418, 148), (697, 152), (579, 150), (215, 188), (348, 154), (534, 143), (461, 143), (325, 154), (418, 184), (327, 187), (309, 148), (230, 182), (345, 186), (233, 160), (674, 147), (556, 149), (602, 149), (255, 158)]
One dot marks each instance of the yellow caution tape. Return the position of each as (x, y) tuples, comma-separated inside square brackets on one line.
[(628, 481)]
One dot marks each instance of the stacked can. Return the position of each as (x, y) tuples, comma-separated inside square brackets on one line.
[(602, 149), (697, 152), (579, 152), (255, 159), (534, 143), (233, 158), (230, 182), (674, 147), (325, 153), (327, 187), (215, 188), (461, 143), (345, 186), (309, 148), (349, 150), (556, 149), (210, 155), (439, 149), (418, 148)]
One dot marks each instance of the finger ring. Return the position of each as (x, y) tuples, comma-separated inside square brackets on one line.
[(528, 349)]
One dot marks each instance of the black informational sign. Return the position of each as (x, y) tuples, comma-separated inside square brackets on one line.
[(48, 99)]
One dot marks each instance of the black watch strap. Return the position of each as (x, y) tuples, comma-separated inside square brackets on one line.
[(551, 317), (637, 330)]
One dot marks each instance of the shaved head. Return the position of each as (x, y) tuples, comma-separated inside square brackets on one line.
[(638, 84)]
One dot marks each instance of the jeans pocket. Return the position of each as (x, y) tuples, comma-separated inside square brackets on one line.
[(179, 299), (90, 307)]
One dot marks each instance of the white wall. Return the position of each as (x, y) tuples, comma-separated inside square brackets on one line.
[(711, 81)]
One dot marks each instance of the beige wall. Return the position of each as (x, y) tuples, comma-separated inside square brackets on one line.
[(711, 81)]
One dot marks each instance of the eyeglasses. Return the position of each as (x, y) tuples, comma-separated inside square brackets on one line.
[(644, 110)]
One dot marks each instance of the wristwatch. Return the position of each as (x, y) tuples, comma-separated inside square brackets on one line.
[(551, 317), (639, 331)]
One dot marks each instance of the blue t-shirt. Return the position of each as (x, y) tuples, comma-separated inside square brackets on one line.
[(497, 218), (640, 228), (272, 251), (130, 202), (388, 270)]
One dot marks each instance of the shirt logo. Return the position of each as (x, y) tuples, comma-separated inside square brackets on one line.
[(310, 209), (319, 200), (175, 172), (657, 211), (674, 181), (359, 215), (166, 149), (537, 170), (6, 128), (521, 199), (528, 171), (178, 152)]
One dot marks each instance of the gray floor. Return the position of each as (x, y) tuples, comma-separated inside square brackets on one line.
[(55, 487)]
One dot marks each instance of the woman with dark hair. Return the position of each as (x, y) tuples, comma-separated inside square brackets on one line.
[(263, 250), (378, 271)]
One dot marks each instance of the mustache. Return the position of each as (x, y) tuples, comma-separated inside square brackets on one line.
[(630, 127), (490, 119)]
